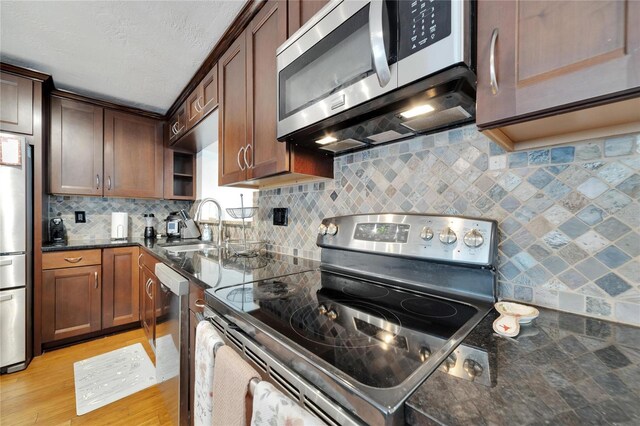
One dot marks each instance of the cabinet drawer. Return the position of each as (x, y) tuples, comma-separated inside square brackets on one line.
[(148, 260), (71, 259)]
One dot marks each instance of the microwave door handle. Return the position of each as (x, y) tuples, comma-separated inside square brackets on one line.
[(376, 36)]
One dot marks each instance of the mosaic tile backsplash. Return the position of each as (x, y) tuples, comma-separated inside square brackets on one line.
[(98, 214), (569, 216)]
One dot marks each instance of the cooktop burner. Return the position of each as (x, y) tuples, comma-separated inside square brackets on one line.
[(429, 308)]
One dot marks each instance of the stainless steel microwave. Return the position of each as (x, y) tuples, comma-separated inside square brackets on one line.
[(366, 72)]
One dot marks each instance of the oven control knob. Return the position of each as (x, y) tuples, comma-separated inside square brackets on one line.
[(426, 233), (449, 363), (472, 368), (322, 229), (322, 310), (447, 236), (473, 238), (332, 315), (424, 353), (332, 229)]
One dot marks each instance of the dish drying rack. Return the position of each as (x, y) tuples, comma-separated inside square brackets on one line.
[(243, 247)]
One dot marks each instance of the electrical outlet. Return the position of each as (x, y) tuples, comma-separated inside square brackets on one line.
[(281, 216), (80, 217)]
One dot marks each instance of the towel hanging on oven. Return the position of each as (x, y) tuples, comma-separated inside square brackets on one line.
[(231, 378), (272, 407), (207, 341)]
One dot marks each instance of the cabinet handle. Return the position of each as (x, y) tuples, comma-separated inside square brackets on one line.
[(241, 150), (73, 259), (109, 183), (199, 303), (196, 105), (147, 288), (200, 104), (179, 130), (244, 155), (97, 181), (173, 128), (492, 62), (139, 256), (95, 277)]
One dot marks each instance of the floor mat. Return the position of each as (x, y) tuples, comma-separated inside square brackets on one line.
[(106, 378)]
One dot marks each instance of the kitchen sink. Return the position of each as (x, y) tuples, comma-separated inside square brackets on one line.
[(185, 247)]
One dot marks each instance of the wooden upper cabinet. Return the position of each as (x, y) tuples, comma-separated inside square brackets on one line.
[(209, 91), (550, 56), (16, 104), (76, 148), (133, 156), (193, 111), (268, 30), (233, 113), (120, 286), (300, 11), (177, 125), (71, 302)]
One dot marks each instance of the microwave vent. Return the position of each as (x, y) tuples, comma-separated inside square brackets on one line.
[(342, 145), (389, 135), (437, 119)]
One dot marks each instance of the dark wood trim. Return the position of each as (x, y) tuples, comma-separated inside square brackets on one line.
[(106, 104), (24, 72), (40, 202), (250, 9)]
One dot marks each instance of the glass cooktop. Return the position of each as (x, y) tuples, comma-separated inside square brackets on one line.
[(376, 334)]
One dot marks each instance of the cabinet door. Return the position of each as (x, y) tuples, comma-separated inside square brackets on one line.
[(71, 302), (133, 156), (194, 111), (300, 11), (16, 107), (233, 113), (177, 124), (550, 56), (148, 282), (76, 148), (120, 286), (209, 91), (265, 33)]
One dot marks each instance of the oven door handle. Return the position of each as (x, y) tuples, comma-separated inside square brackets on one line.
[(376, 36)]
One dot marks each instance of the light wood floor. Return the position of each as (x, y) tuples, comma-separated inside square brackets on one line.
[(44, 394)]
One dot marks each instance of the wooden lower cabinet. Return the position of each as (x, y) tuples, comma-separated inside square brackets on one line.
[(120, 286), (71, 302)]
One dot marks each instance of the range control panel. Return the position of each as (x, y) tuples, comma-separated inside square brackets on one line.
[(442, 238)]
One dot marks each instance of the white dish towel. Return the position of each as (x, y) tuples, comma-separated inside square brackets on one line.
[(206, 340), (272, 407)]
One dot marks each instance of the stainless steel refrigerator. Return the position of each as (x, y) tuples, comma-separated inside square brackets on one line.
[(16, 252)]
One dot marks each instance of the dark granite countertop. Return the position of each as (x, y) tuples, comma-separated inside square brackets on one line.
[(201, 267), (91, 244), (562, 369)]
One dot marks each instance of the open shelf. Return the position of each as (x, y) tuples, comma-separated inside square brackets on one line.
[(180, 175)]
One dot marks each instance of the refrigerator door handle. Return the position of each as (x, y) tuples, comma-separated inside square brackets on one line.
[(5, 298), (6, 262)]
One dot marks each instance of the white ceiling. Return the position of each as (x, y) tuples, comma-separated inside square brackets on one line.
[(137, 53)]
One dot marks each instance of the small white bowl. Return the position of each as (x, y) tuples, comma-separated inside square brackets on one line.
[(524, 313)]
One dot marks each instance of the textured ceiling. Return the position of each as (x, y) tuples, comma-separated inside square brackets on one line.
[(140, 54)]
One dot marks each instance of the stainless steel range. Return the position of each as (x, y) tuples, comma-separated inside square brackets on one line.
[(392, 300)]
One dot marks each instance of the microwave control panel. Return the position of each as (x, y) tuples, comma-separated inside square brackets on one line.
[(421, 24)]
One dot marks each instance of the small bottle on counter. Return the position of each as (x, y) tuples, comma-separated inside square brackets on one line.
[(207, 233)]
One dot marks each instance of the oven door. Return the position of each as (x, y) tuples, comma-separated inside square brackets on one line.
[(345, 56)]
